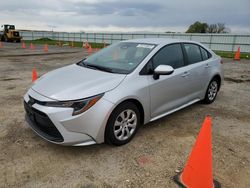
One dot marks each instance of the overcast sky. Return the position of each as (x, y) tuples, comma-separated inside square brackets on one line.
[(124, 15)]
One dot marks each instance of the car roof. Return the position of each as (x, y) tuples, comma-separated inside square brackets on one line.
[(158, 41)]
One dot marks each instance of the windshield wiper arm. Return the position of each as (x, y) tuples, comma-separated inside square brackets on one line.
[(82, 63), (96, 67), (99, 68)]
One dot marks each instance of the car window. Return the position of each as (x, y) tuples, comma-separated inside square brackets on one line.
[(193, 53), (169, 55), (205, 54), (122, 57)]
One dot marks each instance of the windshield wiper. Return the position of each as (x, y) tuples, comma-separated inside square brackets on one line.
[(82, 63), (97, 67)]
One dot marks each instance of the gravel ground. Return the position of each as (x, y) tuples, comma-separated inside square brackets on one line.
[(149, 160)]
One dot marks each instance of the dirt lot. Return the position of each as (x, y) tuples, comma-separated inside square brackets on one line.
[(152, 157)]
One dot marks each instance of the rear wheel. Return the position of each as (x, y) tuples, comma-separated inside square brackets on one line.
[(122, 124), (5, 38), (211, 92)]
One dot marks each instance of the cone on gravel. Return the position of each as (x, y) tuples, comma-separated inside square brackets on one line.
[(23, 45), (45, 48), (198, 170), (237, 55), (32, 46), (34, 75), (90, 49)]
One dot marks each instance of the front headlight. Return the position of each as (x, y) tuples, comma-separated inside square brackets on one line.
[(79, 106)]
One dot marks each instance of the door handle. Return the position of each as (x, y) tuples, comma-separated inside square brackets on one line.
[(185, 74), (207, 65)]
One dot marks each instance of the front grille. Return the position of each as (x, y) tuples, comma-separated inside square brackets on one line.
[(42, 124)]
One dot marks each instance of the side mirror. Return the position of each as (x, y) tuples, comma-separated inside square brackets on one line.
[(162, 70)]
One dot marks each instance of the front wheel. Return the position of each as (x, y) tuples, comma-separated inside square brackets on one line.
[(211, 92), (122, 124)]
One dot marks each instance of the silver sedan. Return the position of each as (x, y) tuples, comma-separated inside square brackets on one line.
[(108, 95)]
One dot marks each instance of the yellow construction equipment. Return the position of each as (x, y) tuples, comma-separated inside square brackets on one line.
[(9, 34)]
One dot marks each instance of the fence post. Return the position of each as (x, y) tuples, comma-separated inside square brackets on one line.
[(210, 42), (190, 36), (111, 38), (234, 41)]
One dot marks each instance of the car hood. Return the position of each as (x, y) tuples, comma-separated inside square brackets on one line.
[(75, 82)]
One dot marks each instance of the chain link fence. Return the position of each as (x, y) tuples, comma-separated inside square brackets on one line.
[(217, 42)]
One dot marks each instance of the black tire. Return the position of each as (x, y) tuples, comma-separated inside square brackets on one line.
[(126, 128), (18, 40), (212, 91), (5, 38)]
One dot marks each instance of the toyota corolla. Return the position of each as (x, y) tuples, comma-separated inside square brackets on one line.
[(108, 95)]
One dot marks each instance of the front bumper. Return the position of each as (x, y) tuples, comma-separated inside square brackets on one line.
[(57, 125)]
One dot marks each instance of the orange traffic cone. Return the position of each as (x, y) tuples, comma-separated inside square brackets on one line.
[(32, 46), (45, 48), (198, 170), (23, 45), (90, 49), (34, 75), (237, 54)]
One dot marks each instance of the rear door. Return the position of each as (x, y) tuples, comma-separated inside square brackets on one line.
[(198, 67)]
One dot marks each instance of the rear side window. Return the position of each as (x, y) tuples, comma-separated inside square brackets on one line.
[(205, 54), (169, 55), (193, 53)]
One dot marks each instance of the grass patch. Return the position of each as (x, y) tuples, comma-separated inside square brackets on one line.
[(243, 55)]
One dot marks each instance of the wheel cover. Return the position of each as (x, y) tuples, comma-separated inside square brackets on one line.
[(212, 90), (125, 125)]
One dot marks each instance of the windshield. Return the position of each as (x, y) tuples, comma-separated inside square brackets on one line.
[(122, 57)]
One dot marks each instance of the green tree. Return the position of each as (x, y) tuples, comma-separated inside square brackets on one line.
[(197, 27)]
